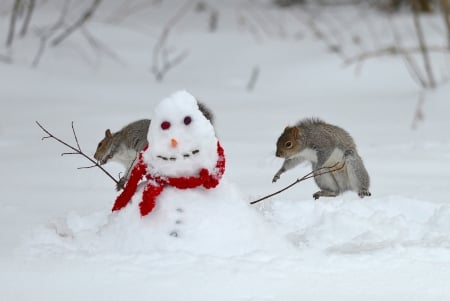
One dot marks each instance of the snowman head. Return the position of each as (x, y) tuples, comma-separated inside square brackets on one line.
[(181, 140)]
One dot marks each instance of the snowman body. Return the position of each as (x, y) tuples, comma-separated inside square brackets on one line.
[(184, 161), (196, 221)]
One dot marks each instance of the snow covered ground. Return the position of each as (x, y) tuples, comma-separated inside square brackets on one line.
[(58, 240)]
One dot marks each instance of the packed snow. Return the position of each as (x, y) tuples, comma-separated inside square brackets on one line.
[(60, 240), (189, 129)]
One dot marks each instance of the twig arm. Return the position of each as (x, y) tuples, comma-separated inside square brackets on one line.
[(76, 151)]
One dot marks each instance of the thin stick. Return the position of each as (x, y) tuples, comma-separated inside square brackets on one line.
[(391, 50), (45, 34), (160, 50), (419, 115), (76, 138), (87, 167), (29, 13), (76, 151), (78, 24), (12, 23), (253, 78), (422, 45), (312, 174)]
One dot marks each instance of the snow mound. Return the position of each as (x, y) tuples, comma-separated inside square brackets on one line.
[(363, 226), (214, 222)]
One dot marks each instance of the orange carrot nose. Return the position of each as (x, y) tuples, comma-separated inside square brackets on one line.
[(173, 142)]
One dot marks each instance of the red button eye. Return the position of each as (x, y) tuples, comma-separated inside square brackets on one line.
[(187, 120), (165, 125)]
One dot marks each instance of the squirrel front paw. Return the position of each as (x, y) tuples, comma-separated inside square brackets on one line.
[(121, 184), (275, 178)]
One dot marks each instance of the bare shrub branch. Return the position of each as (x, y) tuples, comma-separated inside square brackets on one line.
[(422, 44), (419, 115), (75, 150), (445, 11), (12, 23), (77, 24), (162, 61), (100, 47), (391, 51), (45, 34), (28, 15), (312, 174), (253, 78)]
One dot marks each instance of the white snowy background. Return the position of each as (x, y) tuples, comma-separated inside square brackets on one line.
[(394, 245)]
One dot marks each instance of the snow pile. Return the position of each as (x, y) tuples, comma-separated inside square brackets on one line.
[(355, 226), (212, 222)]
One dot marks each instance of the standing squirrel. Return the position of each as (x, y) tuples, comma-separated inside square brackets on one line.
[(124, 145), (324, 145)]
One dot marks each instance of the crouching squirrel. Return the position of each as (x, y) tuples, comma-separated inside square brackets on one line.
[(124, 145), (324, 145)]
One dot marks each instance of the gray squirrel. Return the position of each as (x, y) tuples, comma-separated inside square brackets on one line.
[(124, 145), (324, 145)]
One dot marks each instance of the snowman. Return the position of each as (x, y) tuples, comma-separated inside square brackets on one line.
[(183, 154)]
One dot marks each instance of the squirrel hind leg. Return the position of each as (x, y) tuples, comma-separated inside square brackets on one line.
[(357, 174), (364, 192)]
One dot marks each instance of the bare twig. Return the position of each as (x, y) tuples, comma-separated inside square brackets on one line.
[(100, 47), (445, 11), (309, 20), (312, 174), (29, 13), (213, 20), (76, 150), (12, 23), (46, 33), (87, 167), (419, 115), (167, 63), (253, 78), (80, 22), (410, 63), (160, 51), (422, 44), (247, 23), (392, 50), (127, 9)]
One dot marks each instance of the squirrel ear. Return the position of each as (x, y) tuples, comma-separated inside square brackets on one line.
[(296, 132), (108, 133)]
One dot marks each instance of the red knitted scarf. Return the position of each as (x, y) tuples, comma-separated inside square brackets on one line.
[(156, 184)]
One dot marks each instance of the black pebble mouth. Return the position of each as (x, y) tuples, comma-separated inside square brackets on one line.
[(185, 156)]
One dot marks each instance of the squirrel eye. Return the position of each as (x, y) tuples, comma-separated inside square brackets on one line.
[(100, 144), (165, 125), (187, 120), (288, 144)]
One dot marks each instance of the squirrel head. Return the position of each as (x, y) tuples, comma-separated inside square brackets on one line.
[(103, 154), (289, 143)]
